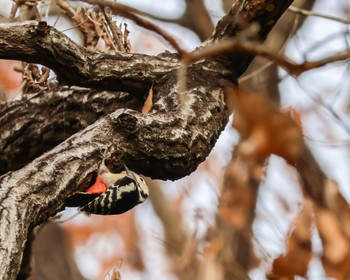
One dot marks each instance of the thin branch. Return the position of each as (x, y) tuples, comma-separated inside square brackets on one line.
[(195, 18), (240, 46), (125, 12), (112, 30), (309, 13)]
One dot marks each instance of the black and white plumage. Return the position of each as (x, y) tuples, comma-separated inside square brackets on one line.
[(122, 192)]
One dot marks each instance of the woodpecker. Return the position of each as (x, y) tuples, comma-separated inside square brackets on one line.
[(112, 193)]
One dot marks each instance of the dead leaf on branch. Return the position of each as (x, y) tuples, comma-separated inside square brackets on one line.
[(35, 77), (99, 30), (295, 115), (237, 211), (298, 254), (334, 228), (264, 129), (124, 226), (336, 250), (147, 106), (237, 197), (339, 205), (211, 267)]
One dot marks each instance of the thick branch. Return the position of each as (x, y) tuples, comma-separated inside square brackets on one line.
[(167, 143), (39, 122), (38, 43), (74, 65)]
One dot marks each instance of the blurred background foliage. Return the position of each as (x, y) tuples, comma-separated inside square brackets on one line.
[(179, 233)]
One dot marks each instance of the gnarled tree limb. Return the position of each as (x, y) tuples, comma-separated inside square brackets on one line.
[(74, 65), (39, 122), (167, 143)]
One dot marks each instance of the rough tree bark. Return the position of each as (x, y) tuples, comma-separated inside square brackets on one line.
[(167, 143)]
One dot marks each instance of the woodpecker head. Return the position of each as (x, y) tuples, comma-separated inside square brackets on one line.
[(108, 177)]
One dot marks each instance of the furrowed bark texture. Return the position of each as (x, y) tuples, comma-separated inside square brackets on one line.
[(25, 134), (38, 43), (167, 143)]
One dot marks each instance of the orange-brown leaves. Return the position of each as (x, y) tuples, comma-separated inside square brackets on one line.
[(10, 81), (336, 252), (332, 224), (337, 203), (238, 196), (298, 254), (211, 268), (264, 129), (147, 106), (109, 229), (237, 210)]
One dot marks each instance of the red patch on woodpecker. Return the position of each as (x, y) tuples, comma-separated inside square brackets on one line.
[(99, 186)]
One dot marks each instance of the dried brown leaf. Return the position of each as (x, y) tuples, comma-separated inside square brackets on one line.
[(149, 102), (125, 226), (338, 204), (264, 129), (237, 198), (336, 249), (211, 268), (298, 254)]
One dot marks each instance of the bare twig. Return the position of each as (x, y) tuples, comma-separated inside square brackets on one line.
[(126, 12), (112, 30), (233, 45), (309, 13), (195, 18)]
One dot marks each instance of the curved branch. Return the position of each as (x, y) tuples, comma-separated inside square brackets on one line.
[(36, 42), (167, 143), (293, 68), (39, 122), (39, 43)]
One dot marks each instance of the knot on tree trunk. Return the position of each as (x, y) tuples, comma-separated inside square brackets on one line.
[(126, 124)]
